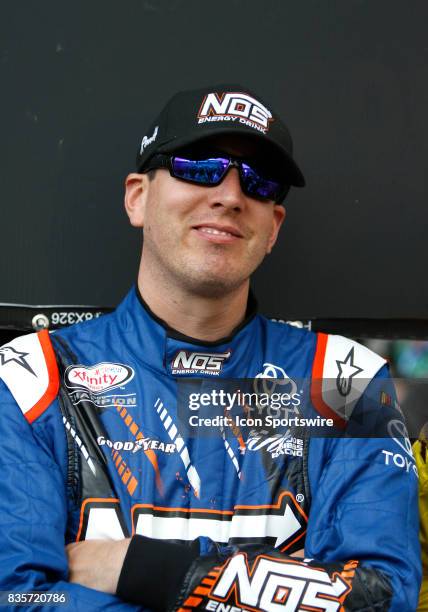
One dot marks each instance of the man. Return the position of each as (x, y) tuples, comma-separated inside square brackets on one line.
[(99, 440)]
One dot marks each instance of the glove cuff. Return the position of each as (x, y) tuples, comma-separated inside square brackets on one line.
[(153, 571)]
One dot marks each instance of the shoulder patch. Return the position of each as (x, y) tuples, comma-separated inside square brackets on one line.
[(342, 370), (29, 369)]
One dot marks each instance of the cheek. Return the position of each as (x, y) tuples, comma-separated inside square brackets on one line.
[(162, 221), (173, 207), (265, 228)]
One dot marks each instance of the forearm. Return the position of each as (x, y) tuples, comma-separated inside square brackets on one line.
[(96, 563)]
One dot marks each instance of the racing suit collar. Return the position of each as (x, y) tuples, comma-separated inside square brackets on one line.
[(252, 307), (150, 341)]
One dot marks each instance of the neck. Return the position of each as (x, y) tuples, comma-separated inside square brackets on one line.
[(204, 318)]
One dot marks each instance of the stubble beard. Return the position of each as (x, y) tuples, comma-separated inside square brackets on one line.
[(203, 280)]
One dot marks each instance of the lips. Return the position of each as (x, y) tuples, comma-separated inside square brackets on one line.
[(215, 229)]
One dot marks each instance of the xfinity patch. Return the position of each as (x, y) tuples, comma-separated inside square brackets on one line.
[(98, 378)]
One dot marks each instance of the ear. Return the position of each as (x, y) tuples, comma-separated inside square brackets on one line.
[(136, 188), (277, 221)]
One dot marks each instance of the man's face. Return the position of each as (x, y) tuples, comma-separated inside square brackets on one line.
[(209, 240)]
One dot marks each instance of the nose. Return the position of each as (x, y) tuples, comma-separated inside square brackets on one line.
[(228, 193)]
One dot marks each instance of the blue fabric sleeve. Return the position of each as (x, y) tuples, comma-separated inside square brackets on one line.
[(33, 518), (364, 496)]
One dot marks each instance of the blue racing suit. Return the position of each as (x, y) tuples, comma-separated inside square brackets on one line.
[(104, 434)]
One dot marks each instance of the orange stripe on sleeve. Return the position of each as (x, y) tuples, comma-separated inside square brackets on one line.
[(53, 375), (316, 383)]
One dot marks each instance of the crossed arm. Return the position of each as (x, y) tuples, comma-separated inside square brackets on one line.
[(97, 563)]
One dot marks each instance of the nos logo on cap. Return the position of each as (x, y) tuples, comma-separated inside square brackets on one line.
[(235, 106)]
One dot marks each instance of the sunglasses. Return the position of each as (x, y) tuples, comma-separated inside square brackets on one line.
[(210, 171)]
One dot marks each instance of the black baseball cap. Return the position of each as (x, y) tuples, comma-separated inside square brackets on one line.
[(190, 117)]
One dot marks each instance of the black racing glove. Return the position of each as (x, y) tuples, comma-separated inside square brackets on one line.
[(172, 577)]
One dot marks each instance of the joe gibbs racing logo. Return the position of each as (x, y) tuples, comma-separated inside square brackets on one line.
[(98, 378)]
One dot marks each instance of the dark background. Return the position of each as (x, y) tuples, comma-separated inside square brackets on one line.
[(81, 81)]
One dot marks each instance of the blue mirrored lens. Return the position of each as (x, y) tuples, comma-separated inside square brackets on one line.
[(212, 170), (206, 171), (258, 186)]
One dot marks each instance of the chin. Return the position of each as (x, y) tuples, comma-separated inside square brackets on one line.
[(214, 285)]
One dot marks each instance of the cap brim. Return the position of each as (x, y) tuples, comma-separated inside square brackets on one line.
[(294, 175)]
